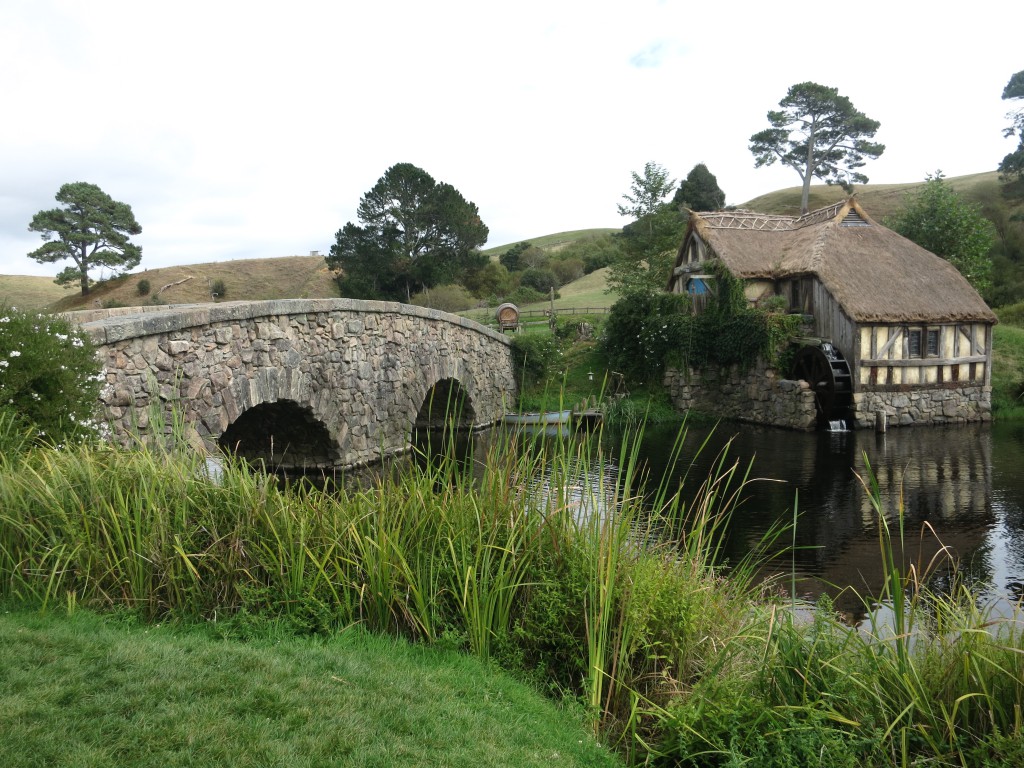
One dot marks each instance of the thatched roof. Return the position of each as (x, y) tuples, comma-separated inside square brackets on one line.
[(874, 273)]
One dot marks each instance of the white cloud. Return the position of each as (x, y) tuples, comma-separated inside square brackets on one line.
[(251, 129)]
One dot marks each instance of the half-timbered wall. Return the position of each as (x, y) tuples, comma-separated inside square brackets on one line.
[(924, 354)]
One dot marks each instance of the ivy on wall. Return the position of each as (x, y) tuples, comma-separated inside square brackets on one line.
[(646, 332)]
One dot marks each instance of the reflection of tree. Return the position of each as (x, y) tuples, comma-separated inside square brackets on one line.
[(943, 477)]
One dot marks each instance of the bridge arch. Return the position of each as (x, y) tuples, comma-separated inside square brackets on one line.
[(282, 433), (446, 403), (362, 370)]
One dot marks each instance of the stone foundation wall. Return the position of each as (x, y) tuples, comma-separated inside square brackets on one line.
[(927, 405), (756, 395)]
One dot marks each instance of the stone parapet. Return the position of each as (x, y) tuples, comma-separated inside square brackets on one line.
[(360, 370)]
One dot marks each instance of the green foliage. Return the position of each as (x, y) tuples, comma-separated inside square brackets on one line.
[(699, 191), (491, 279), (567, 269), (595, 252), (142, 287), (534, 355), (218, 289), (448, 298), (938, 219), (647, 244), (819, 134), (647, 193), (574, 581), (415, 233), (91, 229), (1012, 315), (646, 332), (1012, 166), (510, 259), (524, 294), (540, 279), (49, 376), (648, 250), (642, 332)]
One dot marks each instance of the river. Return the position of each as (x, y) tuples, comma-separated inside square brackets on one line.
[(961, 490)]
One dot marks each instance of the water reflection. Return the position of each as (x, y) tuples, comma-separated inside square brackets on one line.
[(960, 491)]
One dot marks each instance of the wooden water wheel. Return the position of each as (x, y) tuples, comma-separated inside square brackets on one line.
[(828, 373)]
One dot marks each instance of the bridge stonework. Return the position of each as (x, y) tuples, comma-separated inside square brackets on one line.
[(359, 374)]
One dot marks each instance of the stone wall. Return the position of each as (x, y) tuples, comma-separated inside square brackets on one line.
[(362, 369), (756, 395), (928, 404)]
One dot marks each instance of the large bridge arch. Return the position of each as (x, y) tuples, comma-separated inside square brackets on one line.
[(361, 370)]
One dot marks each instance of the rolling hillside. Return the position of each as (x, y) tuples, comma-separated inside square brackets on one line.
[(309, 277)]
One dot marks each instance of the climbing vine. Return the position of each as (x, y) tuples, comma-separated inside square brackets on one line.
[(647, 332)]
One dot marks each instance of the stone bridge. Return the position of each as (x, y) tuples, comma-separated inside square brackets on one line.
[(300, 383)]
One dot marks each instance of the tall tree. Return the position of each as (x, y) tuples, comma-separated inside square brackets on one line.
[(699, 191), (415, 233), (650, 240), (91, 229), (819, 134), (647, 193), (937, 218), (1012, 166)]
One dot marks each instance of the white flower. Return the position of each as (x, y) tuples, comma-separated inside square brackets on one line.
[(14, 353)]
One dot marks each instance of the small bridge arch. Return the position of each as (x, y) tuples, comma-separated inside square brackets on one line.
[(301, 383)]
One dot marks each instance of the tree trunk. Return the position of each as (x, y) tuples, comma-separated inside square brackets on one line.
[(805, 195), (83, 265)]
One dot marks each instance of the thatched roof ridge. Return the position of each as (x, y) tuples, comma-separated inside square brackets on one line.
[(874, 273)]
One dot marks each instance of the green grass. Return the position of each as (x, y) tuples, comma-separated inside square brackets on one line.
[(879, 200), (550, 242), (662, 651), (1008, 372), (82, 691)]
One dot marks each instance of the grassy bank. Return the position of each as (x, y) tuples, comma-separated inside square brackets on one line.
[(80, 690), (669, 658), (1008, 364)]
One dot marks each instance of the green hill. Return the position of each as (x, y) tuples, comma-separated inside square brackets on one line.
[(309, 277), (30, 292)]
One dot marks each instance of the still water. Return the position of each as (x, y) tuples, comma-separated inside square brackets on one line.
[(960, 489)]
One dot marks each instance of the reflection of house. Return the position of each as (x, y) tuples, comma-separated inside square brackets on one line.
[(914, 336)]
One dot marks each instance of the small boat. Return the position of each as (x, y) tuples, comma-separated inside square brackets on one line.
[(538, 419)]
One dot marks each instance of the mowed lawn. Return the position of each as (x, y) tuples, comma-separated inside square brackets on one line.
[(83, 690)]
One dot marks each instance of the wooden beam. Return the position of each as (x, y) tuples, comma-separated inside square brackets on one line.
[(888, 345), (924, 362)]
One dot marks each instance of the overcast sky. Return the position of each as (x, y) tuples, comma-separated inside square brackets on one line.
[(251, 129)]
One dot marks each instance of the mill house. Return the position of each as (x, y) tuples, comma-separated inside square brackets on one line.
[(893, 329)]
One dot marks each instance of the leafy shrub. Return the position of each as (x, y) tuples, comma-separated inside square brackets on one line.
[(567, 270), (646, 332), (49, 376), (540, 279), (526, 295), (218, 289), (142, 287), (1013, 314), (637, 339), (447, 298), (534, 354)]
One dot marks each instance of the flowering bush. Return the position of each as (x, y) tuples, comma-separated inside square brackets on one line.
[(49, 376)]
